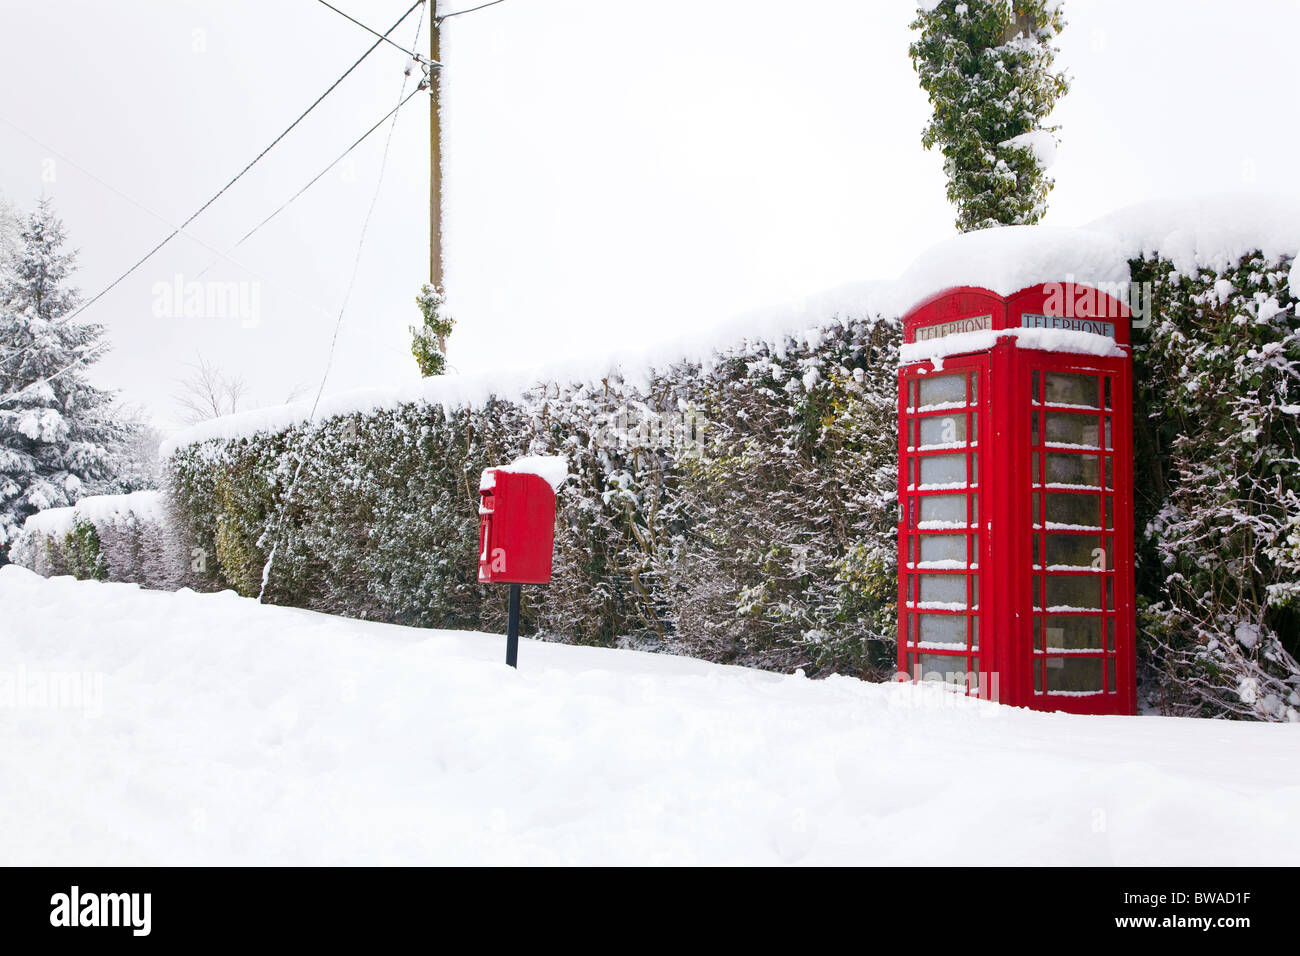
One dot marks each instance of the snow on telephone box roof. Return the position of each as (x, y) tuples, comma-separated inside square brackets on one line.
[(553, 469)]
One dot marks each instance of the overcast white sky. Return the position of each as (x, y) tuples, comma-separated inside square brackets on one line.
[(617, 173)]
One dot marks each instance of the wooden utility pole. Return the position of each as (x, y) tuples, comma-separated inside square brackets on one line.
[(435, 152)]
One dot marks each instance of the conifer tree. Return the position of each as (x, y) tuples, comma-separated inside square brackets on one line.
[(56, 436), (987, 68)]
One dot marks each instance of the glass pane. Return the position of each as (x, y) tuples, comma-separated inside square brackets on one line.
[(1064, 428), (1110, 634), (943, 589), (1033, 429), (1073, 674), (1107, 435), (951, 669), (943, 430), (974, 388), (1073, 509), (943, 470), (1067, 388), (1076, 551), (974, 427), (1067, 469), (943, 629), (943, 549), (1107, 393), (1038, 676), (1072, 633), (1037, 393), (975, 633), (1110, 674), (1074, 592), (946, 509), (943, 389)]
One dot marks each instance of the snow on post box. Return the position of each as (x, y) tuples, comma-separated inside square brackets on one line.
[(517, 520)]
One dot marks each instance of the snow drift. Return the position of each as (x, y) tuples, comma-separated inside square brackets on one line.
[(213, 730)]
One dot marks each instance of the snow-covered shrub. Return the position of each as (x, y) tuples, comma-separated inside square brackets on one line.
[(785, 519), (81, 551), (1218, 484), (109, 538)]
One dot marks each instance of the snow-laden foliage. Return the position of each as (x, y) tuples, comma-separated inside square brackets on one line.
[(11, 227), (57, 438), (780, 544), (429, 338), (987, 68), (128, 538), (1218, 482)]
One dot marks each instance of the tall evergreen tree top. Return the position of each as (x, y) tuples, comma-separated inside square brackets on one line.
[(987, 68)]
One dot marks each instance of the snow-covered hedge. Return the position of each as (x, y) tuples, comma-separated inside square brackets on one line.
[(109, 538), (1217, 422)]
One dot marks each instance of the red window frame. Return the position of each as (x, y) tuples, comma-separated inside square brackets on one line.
[(1109, 527), (918, 657)]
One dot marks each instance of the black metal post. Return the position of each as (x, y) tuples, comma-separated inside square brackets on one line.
[(512, 630)]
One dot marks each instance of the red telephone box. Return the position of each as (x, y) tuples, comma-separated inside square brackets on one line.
[(1015, 486), (517, 527)]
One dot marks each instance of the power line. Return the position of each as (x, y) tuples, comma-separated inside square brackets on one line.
[(152, 212), (215, 196), (448, 16), (176, 230), (422, 59), (315, 179)]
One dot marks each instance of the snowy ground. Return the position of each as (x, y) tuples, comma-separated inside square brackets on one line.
[(212, 730)]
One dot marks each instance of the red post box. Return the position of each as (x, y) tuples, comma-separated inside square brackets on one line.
[(1015, 537), (517, 536), (517, 530)]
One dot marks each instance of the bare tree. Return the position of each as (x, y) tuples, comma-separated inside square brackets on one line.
[(207, 392)]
